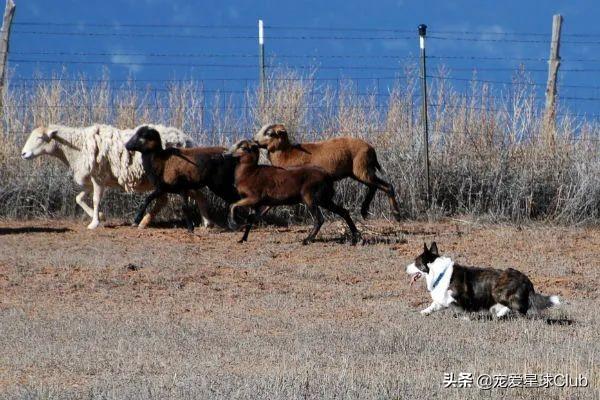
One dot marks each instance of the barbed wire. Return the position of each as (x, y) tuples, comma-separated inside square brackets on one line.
[(248, 90), (248, 79), (86, 24), (579, 98), (288, 37), (210, 105), (200, 80), (482, 36), (309, 67), (206, 36), (255, 37), (292, 56), (129, 25), (287, 27), (510, 40)]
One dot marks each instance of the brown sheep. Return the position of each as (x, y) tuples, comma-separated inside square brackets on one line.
[(341, 157), (184, 171), (263, 186)]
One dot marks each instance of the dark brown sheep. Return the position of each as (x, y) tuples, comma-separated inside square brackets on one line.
[(344, 157), (184, 171), (264, 186)]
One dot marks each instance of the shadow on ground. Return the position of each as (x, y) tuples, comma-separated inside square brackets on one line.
[(32, 229), (563, 321)]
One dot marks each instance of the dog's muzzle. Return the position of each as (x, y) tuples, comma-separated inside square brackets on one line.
[(414, 272)]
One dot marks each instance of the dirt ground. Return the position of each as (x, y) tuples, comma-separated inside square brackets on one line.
[(158, 313)]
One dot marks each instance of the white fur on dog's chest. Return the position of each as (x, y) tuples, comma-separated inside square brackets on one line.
[(440, 293)]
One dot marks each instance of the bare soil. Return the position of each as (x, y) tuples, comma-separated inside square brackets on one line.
[(159, 313)]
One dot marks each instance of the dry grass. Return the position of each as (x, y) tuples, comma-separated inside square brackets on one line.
[(122, 313), (156, 314), (490, 155)]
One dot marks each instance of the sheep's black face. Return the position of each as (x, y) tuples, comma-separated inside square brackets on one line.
[(251, 148), (145, 140)]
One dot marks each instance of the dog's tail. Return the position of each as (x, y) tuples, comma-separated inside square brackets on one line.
[(539, 301)]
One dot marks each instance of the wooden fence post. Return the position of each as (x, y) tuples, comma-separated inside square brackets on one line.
[(9, 13), (553, 65)]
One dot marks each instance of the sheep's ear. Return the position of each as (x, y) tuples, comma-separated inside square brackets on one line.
[(53, 134)]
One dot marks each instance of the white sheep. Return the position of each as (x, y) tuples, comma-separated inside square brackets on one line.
[(98, 159)]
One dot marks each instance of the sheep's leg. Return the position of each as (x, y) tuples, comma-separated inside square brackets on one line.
[(374, 183), (245, 202), (364, 209), (140, 214), (158, 205), (342, 212), (256, 215), (203, 208), (79, 200), (251, 220), (98, 190), (317, 224), (389, 190), (187, 212)]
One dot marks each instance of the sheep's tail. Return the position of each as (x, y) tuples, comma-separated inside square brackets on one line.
[(539, 301), (378, 166), (374, 162)]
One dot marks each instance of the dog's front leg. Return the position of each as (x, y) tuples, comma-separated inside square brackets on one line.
[(435, 306)]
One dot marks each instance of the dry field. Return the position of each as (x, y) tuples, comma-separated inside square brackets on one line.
[(121, 313)]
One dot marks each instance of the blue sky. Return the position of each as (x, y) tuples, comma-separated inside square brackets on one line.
[(498, 19)]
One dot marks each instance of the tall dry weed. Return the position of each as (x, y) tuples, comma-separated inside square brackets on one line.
[(488, 154)]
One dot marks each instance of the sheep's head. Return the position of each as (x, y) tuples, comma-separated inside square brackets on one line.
[(40, 141), (145, 140), (272, 137), (247, 149)]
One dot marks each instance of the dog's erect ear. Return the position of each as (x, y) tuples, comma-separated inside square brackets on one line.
[(433, 249), (425, 249)]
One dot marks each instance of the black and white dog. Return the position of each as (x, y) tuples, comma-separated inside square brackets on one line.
[(475, 289)]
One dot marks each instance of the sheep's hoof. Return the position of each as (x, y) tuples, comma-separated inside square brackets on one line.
[(93, 225), (233, 225), (144, 222), (241, 241), (364, 214), (306, 241), (207, 223), (397, 217)]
